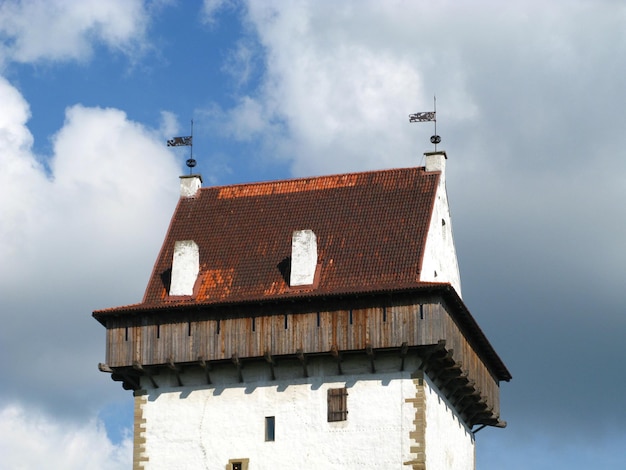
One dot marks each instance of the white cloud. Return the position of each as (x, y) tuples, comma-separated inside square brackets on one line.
[(340, 82), (30, 439), (40, 30), (107, 197)]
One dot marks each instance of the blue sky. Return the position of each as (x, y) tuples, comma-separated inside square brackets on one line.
[(530, 101)]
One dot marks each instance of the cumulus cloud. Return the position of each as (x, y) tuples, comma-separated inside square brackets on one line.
[(106, 195), (31, 439), (39, 30), (332, 88)]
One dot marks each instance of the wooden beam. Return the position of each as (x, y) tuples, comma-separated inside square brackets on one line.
[(270, 360), (440, 346), (439, 365), (370, 353), (337, 355), (404, 350), (129, 382), (207, 367), (451, 374), (462, 391), (138, 367), (237, 362), (302, 358), (174, 368)]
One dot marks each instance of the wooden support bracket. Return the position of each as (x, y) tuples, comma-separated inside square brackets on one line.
[(238, 365), (404, 350), (207, 368), (370, 353), (270, 360), (440, 346), (337, 355), (302, 358), (138, 367), (174, 368), (129, 381)]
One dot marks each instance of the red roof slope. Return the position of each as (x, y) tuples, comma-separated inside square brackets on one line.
[(371, 230)]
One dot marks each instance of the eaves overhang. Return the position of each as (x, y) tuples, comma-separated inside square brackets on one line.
[(457, 308)]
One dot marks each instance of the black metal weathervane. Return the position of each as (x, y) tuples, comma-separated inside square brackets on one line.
[(185, 141), (427, 117)]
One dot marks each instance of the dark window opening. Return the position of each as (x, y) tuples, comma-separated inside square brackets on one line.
[(158, 331), (270, 426), (253, 323), (237, 464), (351, 316), (318, 319), (384, 314), (337, 404), (421, 312), (126, 334)]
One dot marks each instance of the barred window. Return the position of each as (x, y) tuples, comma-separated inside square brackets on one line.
[(337, 404)]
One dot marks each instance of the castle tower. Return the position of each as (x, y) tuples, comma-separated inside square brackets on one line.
[(313, 323)]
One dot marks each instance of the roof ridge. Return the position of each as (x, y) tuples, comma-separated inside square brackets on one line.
[(298, 179)]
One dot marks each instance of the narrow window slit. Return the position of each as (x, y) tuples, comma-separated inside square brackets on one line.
[(270, 427), (384, 314), (351, 316), (285, 321), (253, 323), (421, 311), (318, 319)]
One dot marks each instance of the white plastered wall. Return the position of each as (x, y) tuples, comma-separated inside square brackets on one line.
[(449, 442), (440, 262), (205, 426)]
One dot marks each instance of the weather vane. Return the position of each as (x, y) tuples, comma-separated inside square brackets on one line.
[(427, 117), (186, 141)]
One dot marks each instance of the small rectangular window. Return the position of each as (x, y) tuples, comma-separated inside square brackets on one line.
[(270, 423), (337, 404), (237, 464)]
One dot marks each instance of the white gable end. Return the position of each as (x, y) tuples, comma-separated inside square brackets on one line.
[(440, 263)]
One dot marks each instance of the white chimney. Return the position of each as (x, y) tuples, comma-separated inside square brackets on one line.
[(436, 161), (189, 185), (303, 258), (185, 267)]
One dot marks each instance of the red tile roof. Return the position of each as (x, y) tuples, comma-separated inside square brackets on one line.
[(371, 230)]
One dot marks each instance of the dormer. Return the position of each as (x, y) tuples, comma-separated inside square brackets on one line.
[(185, 267), (303, 258)]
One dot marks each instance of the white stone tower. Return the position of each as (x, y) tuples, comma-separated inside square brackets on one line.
[(314, 323)]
